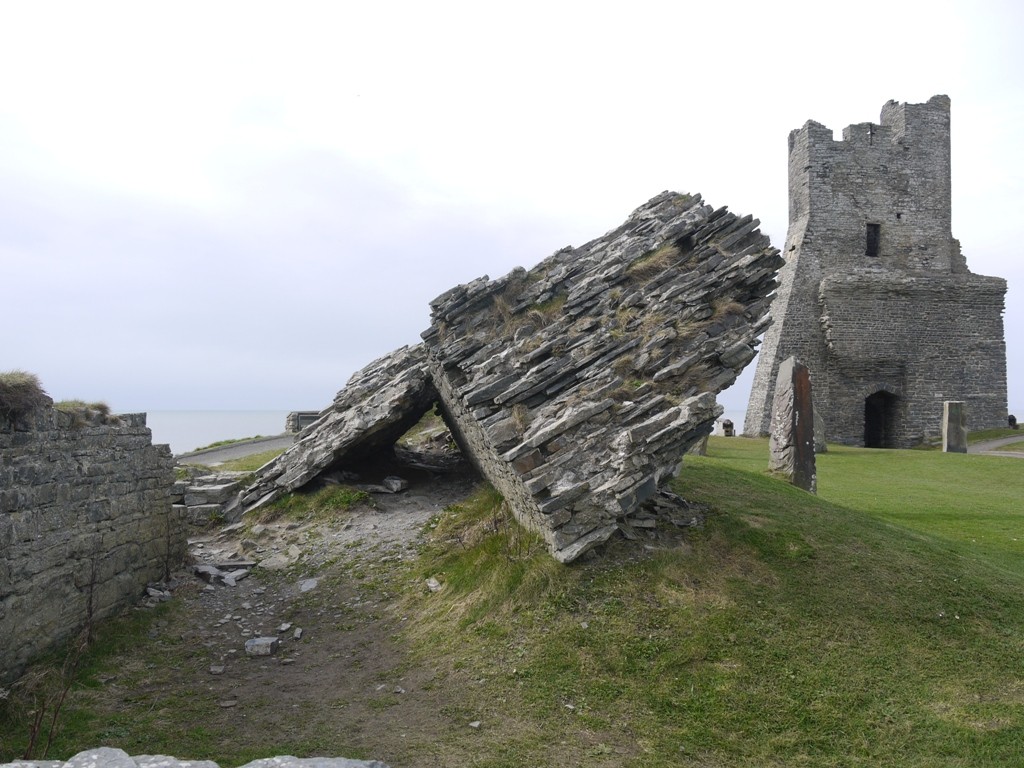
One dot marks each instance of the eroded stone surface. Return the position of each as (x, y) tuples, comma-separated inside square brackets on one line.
[(576, 387)]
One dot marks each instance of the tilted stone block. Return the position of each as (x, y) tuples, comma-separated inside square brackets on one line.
[(611, 354), (575, 387)]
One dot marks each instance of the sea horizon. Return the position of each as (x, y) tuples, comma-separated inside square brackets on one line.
[(185, 431)]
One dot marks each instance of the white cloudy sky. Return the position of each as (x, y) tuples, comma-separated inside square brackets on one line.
[(236, 205)]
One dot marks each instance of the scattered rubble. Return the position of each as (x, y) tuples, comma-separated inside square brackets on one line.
[(202, 497)]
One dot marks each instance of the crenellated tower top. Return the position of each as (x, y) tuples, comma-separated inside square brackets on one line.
[(881, 196)]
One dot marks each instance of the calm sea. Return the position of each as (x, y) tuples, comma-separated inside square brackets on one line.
[(185, 431)]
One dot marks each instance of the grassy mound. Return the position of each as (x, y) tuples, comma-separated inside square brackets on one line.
[(877, 625)]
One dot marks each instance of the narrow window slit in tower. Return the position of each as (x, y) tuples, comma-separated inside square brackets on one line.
[(874, 239)]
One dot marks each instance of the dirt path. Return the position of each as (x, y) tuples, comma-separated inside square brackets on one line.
[(340, 680), (991, 447)]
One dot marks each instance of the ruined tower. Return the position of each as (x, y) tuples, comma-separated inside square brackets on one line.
[(875, 297)]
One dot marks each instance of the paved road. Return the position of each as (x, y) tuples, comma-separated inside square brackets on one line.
[(211, 457), (991, 447)]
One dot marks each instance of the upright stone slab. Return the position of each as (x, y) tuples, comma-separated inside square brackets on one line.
[(954, 427), (792, 426)]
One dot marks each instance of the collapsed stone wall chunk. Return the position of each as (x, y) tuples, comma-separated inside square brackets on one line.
[(575, 387), (578, 386), (377, 406)]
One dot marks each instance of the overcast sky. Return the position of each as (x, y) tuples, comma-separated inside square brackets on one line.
[(237, 205)]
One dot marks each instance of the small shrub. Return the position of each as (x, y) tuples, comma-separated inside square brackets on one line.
[(723, 306), (502, 309), (83, 413), (623, 366), (653, 263), (20, 392), (521, 417)]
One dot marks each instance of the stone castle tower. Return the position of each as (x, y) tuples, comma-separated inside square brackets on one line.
[(875, 297)]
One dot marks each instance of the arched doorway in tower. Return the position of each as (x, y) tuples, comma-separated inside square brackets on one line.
[(880, 420)]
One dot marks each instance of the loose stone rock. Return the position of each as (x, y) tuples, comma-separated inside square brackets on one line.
[(395, 484), (261, 646)]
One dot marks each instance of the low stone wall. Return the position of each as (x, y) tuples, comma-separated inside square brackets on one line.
[(85, 523)]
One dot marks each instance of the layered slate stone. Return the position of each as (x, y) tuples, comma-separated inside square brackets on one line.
[(377, 406), (577, 387)]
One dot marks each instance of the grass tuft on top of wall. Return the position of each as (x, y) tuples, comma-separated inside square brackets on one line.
[(20, 392)]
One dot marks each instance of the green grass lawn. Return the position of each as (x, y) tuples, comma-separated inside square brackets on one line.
[(972, 503), (878, 624)]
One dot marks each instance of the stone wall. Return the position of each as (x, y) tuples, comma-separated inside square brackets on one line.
[(85, 524), (875, 295)]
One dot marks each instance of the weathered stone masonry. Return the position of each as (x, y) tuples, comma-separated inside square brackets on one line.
[(85, 524), (875, 297)]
